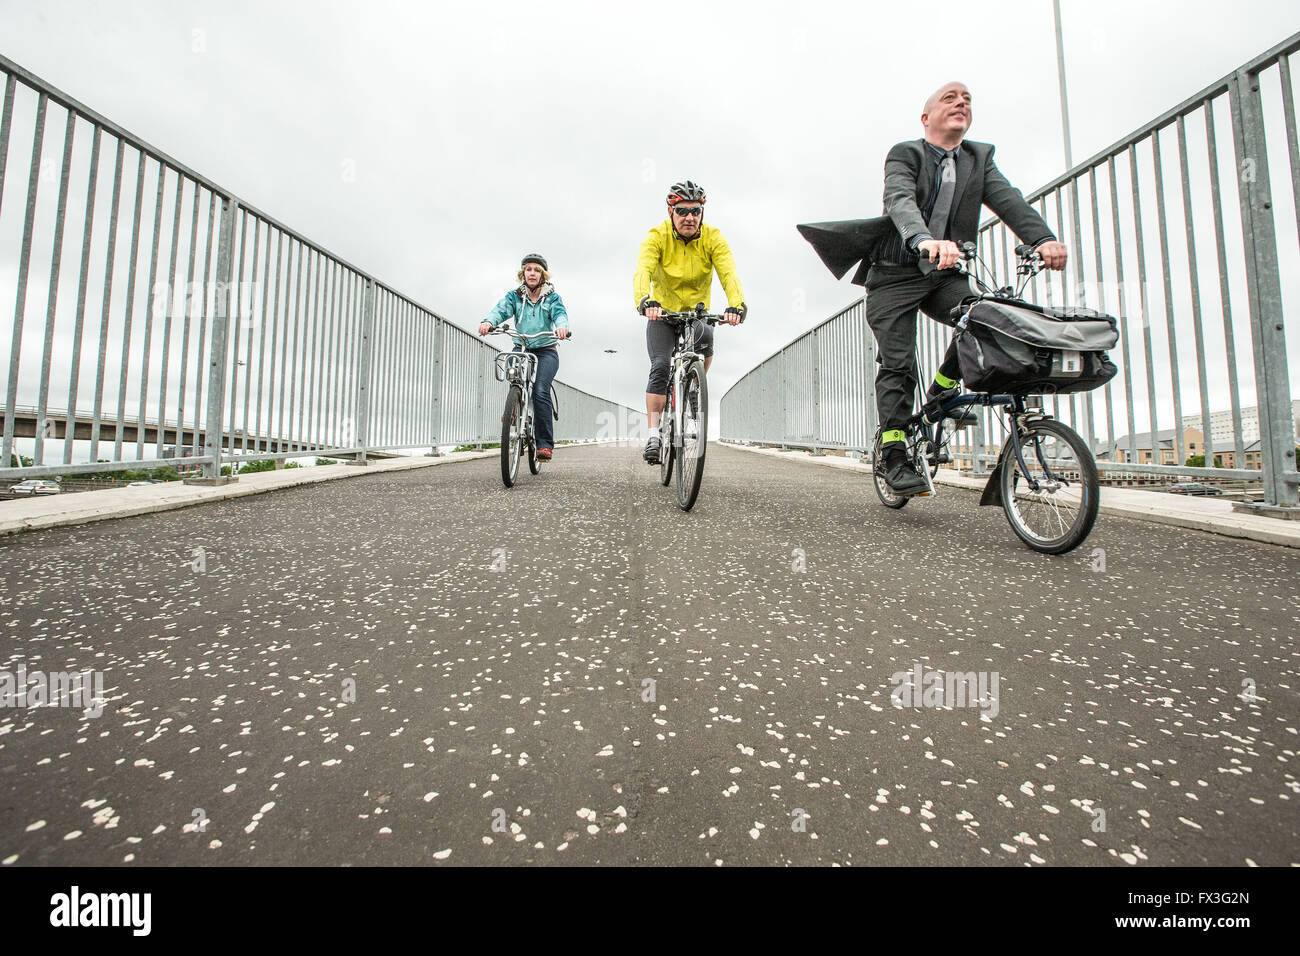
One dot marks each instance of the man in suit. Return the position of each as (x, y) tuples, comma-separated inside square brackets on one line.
[(934, 188)]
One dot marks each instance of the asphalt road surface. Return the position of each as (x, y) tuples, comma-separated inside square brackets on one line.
[(424, 666)]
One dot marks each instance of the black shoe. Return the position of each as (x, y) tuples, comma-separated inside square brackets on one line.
[(933, 408), (651, 453), (901, 476)]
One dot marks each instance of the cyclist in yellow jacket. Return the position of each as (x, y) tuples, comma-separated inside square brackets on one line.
[(674, 271)]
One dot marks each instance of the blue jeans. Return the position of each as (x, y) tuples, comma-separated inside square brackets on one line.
[(548, 363)]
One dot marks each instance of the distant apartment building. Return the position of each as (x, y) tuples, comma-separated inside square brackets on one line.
[(1143, 451), (1221, 424)]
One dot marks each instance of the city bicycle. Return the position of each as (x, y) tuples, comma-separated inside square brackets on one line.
[(519, 368), (1045, 478), (684, 425)]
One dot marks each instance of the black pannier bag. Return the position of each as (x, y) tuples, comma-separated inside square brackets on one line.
[(1020, 348)]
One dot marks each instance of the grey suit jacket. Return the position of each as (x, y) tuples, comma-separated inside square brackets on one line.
[(909, 177)]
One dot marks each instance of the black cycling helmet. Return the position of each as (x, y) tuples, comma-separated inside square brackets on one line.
[(686, 192), (535, 257)]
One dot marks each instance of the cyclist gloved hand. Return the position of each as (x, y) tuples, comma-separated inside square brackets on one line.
[(649, 308), (738, 311)]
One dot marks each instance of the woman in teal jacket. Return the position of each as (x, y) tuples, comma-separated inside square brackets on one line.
[(535, 307)]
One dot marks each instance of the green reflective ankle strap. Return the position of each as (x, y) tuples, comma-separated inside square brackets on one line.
[(943, 381), (893, 435)]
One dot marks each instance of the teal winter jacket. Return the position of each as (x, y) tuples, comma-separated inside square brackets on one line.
[(544, 315)]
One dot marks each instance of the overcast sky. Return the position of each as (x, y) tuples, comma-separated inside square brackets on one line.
[(476, 133)]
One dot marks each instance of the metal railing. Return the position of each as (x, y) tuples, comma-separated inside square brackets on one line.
[(201, 330), (1122, 262)]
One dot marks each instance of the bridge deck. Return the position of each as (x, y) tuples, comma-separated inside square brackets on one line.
[(522, 688)]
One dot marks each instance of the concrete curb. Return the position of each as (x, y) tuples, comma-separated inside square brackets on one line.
[(1199, 514), (60, 511)]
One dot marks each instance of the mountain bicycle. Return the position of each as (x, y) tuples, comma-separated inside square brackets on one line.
[(684, 426), (519, 368), (1045, 478)]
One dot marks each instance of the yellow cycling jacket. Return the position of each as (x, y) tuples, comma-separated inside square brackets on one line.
[(677, 274)]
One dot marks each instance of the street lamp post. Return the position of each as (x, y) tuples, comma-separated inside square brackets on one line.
[(1060, 66), (609, 388)]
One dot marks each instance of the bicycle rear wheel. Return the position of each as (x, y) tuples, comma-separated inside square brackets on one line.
[(1057, 516), (693, 440), (512, 427)]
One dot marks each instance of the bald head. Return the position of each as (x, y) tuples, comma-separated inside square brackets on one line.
[(934, 97), (946, 115)]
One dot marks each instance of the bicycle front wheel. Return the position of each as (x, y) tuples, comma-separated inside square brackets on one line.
[(530, 444), (692, 441), (1057, 515), (512, 433), (666, 445)]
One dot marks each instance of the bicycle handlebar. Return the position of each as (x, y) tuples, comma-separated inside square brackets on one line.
[(698, 312), (1029, 263), (506, 330)]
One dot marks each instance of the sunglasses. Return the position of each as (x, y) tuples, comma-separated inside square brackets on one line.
[(688, 211)]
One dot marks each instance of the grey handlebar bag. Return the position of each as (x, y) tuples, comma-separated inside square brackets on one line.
[(1015, 347)]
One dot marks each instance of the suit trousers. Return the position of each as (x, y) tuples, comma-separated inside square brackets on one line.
[(894, 293)]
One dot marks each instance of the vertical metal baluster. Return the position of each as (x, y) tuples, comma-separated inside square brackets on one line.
[(343, 414), (1195, 284), (389, 383), (276, 348), (6, 122), (167, 321), (247, 316), (1264, 292), (338, 319), (106, 298), (284, 420), (320, 346), (332, 366), (74, 374), (407, 355), (51, 307), (20, 302), (1166, 277), (1289, 121), (1101, 298), (261, 441), (1123, 310), (213, 432), (142, 418), (188, 305), (235, 319), (378, 380), (293, 379), (130, 311), (309, 432), (439, 342), (1147, 347), (207, 300), (365, 371)]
